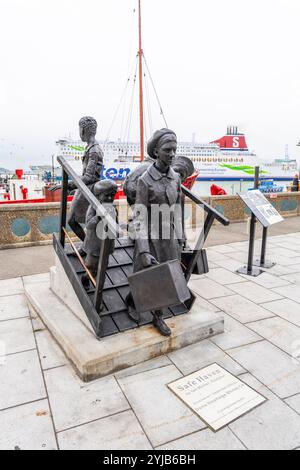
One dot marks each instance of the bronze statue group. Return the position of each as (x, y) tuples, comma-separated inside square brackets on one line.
[(156, 182)]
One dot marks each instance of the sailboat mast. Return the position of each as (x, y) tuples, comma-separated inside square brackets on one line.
[(140, 53)]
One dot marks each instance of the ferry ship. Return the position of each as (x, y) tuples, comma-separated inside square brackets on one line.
[(225, 159)]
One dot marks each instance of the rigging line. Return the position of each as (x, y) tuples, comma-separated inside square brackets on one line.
[(117, 110), (156, 94), (120, 103), (122, 133), (130, 104), (146, 109), (131, 108), (148, 104), (132, 45)]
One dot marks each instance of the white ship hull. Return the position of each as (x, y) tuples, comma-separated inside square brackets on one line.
[(226, 159)]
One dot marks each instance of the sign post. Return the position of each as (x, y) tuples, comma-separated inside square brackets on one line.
[(262, 263), (250, 270), (267, 215)]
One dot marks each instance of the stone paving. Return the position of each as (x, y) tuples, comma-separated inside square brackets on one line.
[(44, 405)]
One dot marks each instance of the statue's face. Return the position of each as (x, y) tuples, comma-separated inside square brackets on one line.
[(82, 134), (166, 152), (106, 197)]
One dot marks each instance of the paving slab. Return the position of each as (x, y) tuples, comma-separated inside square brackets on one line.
[(205, 305), (272, 426), (295, 268), (206, 440), (11, 287), (21, 380), (223, 277), (277, 239), (286, 309), (291, 292), (255, 293), (118, 432), (157, 363), (198, 356), (162, 415), (292, 243), (27, 427), (235, 335), (17, 335), (74, 403), (279, 332), (12, 307), (212, 265), (241, 309), (268, 280), (294, 402), (51, 355), (283, 260), (229, 264), (293, 278), (239, 246), (286, 253), (209, 289), (279, 270), (240, 256), (224, 249), (214, 256), (93, 358), (271, 366)]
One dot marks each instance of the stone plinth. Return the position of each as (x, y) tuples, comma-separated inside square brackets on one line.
[(93, 358)]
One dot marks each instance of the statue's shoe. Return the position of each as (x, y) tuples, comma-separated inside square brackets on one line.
[(85, 282), (161, 325), (81, 252), (133, 314)]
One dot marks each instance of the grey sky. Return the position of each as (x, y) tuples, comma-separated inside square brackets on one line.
[(214, 62)]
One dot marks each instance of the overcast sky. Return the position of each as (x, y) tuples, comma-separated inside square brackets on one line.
[(214, 63)]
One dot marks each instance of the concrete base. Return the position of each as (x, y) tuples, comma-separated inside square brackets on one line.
[(93, 358), (63, 289)]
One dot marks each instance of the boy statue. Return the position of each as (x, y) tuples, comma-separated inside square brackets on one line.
[(92, 163), (105, 192)]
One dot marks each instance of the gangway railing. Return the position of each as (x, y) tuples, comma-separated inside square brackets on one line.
[(92, 308), (212, 215)]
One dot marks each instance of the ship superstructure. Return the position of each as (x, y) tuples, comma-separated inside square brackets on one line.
[(224, 159)]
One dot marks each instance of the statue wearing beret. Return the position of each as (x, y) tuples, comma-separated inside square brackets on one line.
[(158, 187)]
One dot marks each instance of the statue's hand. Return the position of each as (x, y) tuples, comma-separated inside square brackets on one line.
[(148, 260), (55, 188)]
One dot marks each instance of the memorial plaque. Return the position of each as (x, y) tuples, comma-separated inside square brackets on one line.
[(261, 208), (216, 396)]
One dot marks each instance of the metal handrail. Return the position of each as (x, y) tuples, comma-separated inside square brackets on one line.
[(113, 227), (212, 215), (209, 209)]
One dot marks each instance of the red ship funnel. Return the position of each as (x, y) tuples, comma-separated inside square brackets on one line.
[(19, 174), (232, 141)]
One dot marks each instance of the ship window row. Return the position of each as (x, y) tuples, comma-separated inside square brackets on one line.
[(219, 160)]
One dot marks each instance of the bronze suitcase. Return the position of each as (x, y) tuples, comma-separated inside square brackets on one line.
[(159, 287)]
